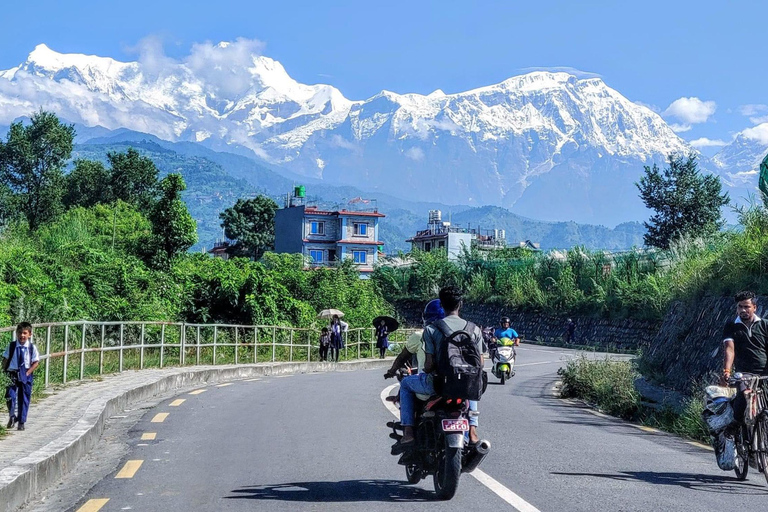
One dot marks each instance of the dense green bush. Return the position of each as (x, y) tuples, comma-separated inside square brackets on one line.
[(607, 383)]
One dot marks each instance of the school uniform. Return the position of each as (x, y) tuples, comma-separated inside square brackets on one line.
[(19, 391)]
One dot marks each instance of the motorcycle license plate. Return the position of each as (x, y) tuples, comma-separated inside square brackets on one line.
[(461, 425)]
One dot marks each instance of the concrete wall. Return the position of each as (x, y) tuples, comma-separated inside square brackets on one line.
[(332, 229), (598, 332), (288, 230), (349, 229), (456, 241)]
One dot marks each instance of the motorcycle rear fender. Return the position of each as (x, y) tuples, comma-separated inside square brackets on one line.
[(454, 440)]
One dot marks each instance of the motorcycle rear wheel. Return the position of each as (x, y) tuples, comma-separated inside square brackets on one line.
[(446, 478)]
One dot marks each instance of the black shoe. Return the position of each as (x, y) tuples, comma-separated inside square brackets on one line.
[(21, 426), (402, 447), (11, 422)]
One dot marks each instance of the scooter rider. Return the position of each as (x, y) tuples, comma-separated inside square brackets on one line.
[(450, 300)]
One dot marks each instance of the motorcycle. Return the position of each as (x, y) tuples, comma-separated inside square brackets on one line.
[(503, 358), (442, 446)]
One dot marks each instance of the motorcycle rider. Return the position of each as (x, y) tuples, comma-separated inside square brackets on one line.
[(433, 312), (450, 300)]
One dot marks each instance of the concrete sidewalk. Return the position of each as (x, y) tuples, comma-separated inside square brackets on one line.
[(65, 426)]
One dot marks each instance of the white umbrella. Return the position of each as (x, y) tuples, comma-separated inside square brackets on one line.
[(329, 313)]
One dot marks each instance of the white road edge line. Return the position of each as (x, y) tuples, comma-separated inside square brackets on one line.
[(491, 483)]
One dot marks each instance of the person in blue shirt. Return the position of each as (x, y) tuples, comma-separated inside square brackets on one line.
[(20, 359), (506, 331)]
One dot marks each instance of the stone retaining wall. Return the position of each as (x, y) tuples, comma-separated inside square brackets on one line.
[(624, 334), (686, 351)]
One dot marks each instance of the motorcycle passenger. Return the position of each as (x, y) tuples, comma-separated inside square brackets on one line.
[(414, 346), (450, 300)]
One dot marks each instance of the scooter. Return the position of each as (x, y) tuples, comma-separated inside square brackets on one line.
[(503, 360)]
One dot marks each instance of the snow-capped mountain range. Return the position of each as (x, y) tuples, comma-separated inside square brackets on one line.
[(547, 145)]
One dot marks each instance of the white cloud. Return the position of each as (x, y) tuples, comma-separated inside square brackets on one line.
[(680, 128), (752, 109), (691, 110), (758, 133), (416, 154), (563, 69), (225, 66), (704, 142)]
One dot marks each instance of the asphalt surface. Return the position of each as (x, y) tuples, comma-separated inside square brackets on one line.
[(319, 442)]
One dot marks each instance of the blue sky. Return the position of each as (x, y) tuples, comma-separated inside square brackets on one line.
[(709, 53)]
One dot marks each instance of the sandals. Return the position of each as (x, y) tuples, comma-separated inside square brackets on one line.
[(403, 447)]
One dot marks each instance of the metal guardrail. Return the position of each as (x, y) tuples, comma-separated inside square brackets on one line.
[(109, 347)]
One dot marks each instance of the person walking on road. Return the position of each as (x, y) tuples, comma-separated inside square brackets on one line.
[(382, 338), (570, 330), (20, 359), (337, 329)]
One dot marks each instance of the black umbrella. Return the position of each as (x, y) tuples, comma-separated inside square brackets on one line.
[(390, 322)]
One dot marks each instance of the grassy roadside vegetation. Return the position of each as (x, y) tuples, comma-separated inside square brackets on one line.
[(609, 385)]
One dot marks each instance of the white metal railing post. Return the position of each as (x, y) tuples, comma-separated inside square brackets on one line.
[(290, 350), (255, 344), (182, 344), (309, 346), (236, 346), (141, 350), (66, 352), (162, 343), (358, 344), (371, 344), (274, 340), (48, 355), (197, 342), (346, 344), (122, 338), (215, 335), (101, 352), (82, 354)]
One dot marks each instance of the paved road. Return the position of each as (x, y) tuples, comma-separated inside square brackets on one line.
[(318, 442)]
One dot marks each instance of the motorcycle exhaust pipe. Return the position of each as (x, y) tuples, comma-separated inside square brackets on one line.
[(476, 456)]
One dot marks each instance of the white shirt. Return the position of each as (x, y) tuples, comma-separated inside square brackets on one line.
[(30, 356)]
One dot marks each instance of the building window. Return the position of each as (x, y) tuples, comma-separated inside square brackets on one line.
[(317, 228), (359, 256), (317, 256), (441, 244), (361, 229)]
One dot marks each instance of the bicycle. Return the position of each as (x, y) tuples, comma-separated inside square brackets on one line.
[(751, 436)]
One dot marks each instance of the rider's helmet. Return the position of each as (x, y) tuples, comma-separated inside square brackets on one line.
[(505, 320), (433, 312)]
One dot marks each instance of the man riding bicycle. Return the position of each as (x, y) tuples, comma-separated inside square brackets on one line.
[(745, 346)]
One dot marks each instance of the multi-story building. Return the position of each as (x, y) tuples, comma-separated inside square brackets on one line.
[(453, 239), (327, 236)]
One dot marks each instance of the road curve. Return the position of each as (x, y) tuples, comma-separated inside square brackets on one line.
[(319, 442)]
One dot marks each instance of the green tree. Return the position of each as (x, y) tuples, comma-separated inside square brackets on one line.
[(686, 202), (87, 184), (134, 178), (173, 228), (32, 164), (251, 224)]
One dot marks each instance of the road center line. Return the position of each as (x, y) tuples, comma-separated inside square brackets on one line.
[(540, 362), (223, 385), (159, 417), (93, 505), (491, 483), (130, 469), (197, 391), (148, 436), (177, 402)]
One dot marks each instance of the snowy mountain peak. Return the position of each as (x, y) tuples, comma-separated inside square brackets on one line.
[(492, 142)]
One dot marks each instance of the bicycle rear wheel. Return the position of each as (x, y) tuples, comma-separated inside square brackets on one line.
[(761, 435), (742, 454)]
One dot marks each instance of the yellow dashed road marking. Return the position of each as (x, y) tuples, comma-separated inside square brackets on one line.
[(148, 436), (93, 505), (224, 385), (177, 402), (197, 391), (646, 429), (252, 380), (699, 445), (130, 469), (159, 417)]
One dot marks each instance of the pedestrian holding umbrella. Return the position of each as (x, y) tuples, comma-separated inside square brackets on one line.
[(337, 329), (384, 325)]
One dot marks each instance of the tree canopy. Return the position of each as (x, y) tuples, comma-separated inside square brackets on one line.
[(251, 224), (32, 164), (685, 202)]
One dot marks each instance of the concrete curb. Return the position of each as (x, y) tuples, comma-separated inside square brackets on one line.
[(31, 475)]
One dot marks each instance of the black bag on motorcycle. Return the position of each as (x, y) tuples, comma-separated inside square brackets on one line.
[(459, 364)]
